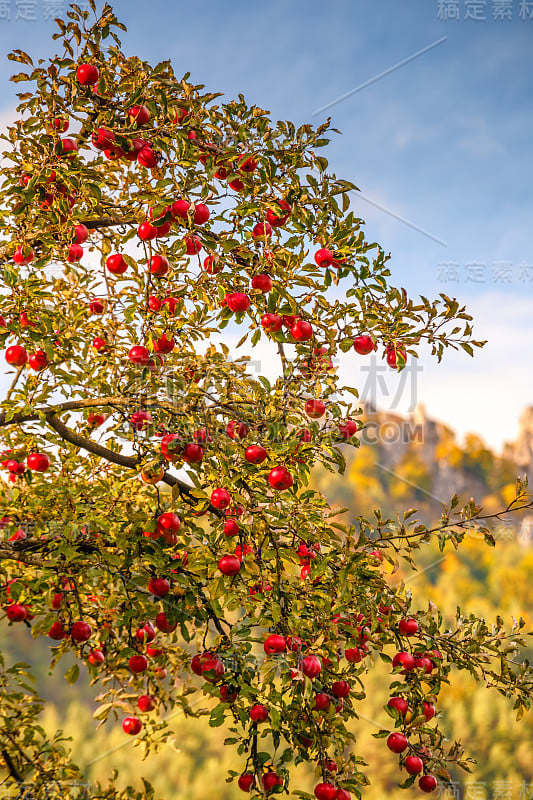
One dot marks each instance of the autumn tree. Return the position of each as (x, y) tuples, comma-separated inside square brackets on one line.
[(155, 516)]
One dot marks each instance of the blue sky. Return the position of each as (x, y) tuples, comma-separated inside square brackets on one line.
[(444, 142)]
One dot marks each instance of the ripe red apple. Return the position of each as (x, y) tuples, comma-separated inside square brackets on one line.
[(154, 650), (212, 669), (324, 257), (238, 301), (322, 701), (311, 666), (38, 360), (23, 255), (159, 587), (325, 791), (277, 219), (139, 114), (340, 688), (16, 612), (81, 234), (255, 454), (132, 725), (400, 704), (315, 408), (428, 783), (229, 565), (164, 344), (424, 663), (193, 244), (95, 420), (138, 664), (96, 307), (180, 208), (229, 693), (342, 794), (246, 781), (363, 344), (397, 742), (192, 453), (201, 214), (146, 231), (159, 266), (429, 711), (301, 331), (146, 702), (280, 478), (404, 660), (354, 654), (38, 462), (145, 633), (16, 355), (87, 74), (220, 498), (237, 430), (258, 713), (413, 765), (262, 282), (100, 344), (213, 264), (231, 528), (140, 421), (74, 253), (164, 624), (168, 522), (270, 780), (262, 230), (395, 355), (171, 446), (274, 644), (271, 323), (408, 627), (116, 264), (57, 631), (139, 354), (81, 631), (147, 157), (348, 428), (96, 657), (67, 148), (103, 138)]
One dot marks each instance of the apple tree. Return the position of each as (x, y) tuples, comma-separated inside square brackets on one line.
[(156, 518)]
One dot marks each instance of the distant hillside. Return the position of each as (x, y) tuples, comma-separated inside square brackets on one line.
[(416, 461)]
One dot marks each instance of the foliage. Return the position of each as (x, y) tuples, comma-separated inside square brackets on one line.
[(101, 535)]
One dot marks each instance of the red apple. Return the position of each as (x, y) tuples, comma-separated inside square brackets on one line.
[(159, 266), (363, 344), (348, 428), (193, 244), (139, 114), (168, 522), (16, 355), (139, 354), (229, 565), (324, 257), (315, 408), (96, 657), (270, 780), (274, 644), (322, 701), (231, 528), (280, 478), (164, 624), (87, 74), (57, 631), (255, 454), (258, 713), (164, 344), (397, 742), (23, 255), (311, 666), (277, 219), (395, 355), (429, 711), (262, 230), (340, 688), (238, 301), (132, 725), (246, 781), (116, 264), (413, 765), (146, 231), (38, 360), (428, 783), (146, 702), (400, 704), (147, 157), (408, 627), (237, 430), (38, 462), (220, 498), (16, 612), (302, 331), (325, 791), (159, 587), (138, 664), (271, 323), (404, 660), (263, 282), (81, 631), (201, 214)]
